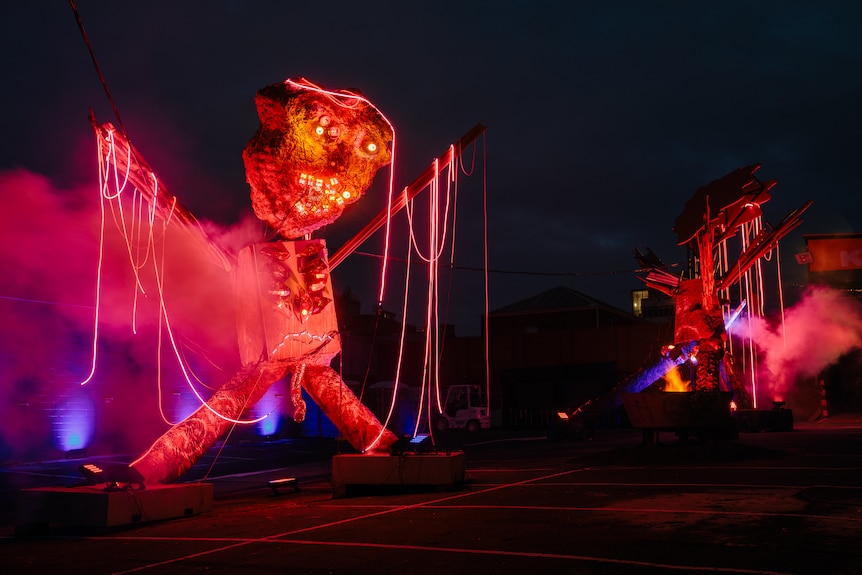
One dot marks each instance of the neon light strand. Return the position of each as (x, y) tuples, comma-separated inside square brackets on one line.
[(183, 368), (750, 347), (338, 98), (430, 306), (437, 241), (781, 295), (130, 228), (464, 171), (399, 362), (101, 256), (437, 245), (452, 173), (432, 325), (451, 198), (151, 447), (111, 160)]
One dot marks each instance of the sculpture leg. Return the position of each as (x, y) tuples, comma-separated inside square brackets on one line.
[(355, 421), (178, 448), (708, 371), (708, 376)]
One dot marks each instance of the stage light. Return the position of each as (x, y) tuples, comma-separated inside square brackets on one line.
[(92, 473), (114, 476), (421, 441), (417, 444), (284, 482)]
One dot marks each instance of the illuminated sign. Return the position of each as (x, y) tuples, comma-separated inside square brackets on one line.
[(833, 253)]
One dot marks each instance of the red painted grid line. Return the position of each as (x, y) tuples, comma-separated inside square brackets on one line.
[(288, 537)]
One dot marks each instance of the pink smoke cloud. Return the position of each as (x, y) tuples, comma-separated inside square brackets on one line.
[(49, 248), (816, 332)]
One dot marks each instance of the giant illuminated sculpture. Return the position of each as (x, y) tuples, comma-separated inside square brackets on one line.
[(719, 211), (316, 152)]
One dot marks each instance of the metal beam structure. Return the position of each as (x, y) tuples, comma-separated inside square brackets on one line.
[(127, 159), (408, 194)]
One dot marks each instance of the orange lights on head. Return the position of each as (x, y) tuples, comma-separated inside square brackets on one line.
[(321, 133), (324, 126), (321, 194)]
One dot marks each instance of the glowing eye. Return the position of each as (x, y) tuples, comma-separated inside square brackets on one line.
[(319, 130), (333, 132), (324, 120), (371, 147), (345, 194)]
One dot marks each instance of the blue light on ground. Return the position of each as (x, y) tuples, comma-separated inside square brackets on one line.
[(73, 422)]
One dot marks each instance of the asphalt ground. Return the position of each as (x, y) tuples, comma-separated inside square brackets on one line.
[(766, 503)]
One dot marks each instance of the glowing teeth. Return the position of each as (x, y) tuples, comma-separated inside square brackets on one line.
[(322, 195)]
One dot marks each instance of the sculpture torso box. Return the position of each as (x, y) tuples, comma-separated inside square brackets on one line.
[(284, 303)]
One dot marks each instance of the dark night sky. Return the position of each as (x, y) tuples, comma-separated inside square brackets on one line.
[(603, 117)]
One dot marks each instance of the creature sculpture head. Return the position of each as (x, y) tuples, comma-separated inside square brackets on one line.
[(314, 153)]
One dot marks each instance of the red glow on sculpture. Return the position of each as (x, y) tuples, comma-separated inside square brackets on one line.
[(717, 212), (315, 152)]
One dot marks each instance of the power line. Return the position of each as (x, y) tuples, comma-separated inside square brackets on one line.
[(523, 272)]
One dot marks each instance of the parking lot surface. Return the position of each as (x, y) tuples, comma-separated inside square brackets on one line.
[(766, 503)]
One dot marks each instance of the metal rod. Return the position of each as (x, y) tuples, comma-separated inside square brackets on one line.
[(165, 205), (408, 194)]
